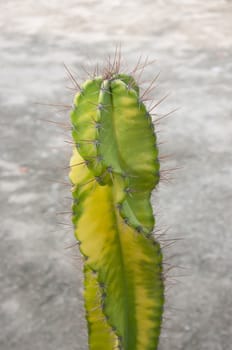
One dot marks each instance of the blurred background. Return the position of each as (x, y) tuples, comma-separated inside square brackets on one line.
[(41, 282)]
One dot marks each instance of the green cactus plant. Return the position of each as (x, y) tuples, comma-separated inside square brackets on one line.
[(114, 169)]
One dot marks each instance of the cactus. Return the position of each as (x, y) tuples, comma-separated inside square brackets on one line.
[(114, 168)]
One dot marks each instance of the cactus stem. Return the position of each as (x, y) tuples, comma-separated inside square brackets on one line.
[(124, 235)]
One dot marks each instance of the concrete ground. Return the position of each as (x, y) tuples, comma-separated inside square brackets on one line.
[(41, 285)]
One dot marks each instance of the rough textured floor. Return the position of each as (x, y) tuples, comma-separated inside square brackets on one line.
[(41, 294)]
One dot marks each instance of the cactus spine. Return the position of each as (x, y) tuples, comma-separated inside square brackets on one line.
[(114, 168)]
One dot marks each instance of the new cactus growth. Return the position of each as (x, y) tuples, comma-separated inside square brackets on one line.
[(114, 168)]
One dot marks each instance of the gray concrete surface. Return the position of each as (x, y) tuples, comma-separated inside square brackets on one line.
[(41, 294)]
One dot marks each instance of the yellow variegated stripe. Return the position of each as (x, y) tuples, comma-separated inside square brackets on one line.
[(101, 336)]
